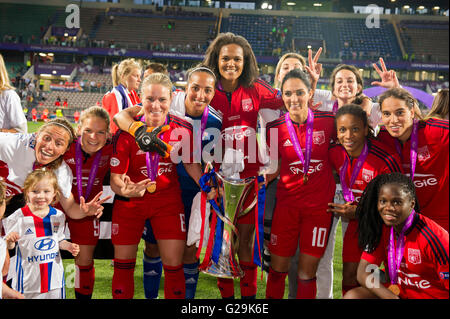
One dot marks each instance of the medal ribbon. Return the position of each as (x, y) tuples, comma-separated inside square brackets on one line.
[(414, 146), (152, 161), (346, 189), (395, 252), (308, 141), (79, 170), (335, 107)]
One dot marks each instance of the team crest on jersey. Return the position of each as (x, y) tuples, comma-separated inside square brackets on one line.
[(319, 137), (247, 105), (423, 153), (55, 227), (414, 256), (367, 175), (114, 162), (70, 161)]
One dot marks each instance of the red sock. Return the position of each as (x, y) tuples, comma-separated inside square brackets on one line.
[(248, 282), (226, 287), (346, 288), (123, 278), (306, 289), (84, 280), (276, 282), (174, 282)]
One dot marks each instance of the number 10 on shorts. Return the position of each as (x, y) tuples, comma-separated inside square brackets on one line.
[(319, 237)]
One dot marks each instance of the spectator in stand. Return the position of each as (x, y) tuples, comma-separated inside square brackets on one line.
[(58, 101), (12, 118), (65, 104)]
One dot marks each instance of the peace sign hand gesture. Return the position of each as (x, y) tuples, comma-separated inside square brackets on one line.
[(388, 77), (94, 207)]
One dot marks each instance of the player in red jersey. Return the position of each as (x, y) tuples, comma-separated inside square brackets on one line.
[(239, 96), (305, 188), (146, 186), (126, 78), (413, 248), (88, 157), (357, 160), (423, 146)]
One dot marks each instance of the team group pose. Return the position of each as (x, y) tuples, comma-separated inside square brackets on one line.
[(381, 168)]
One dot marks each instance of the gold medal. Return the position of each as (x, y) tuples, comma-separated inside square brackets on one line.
[(395, 289), (305, 179), (152, 187)]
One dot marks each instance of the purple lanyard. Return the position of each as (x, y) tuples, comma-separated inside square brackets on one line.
[(198, 144), (414, 146), (346, 190), (152, 161), (79, 170), (335, 107), (308, 141), (395, 252)]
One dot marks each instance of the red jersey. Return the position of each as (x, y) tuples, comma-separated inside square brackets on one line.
[(378, 161), (70, 159), (129, 159), (423, 272), (239, 110), (320, 187), (431, 174)]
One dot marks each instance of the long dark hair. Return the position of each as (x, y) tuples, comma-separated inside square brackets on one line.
[(370, 224), (250, 72)]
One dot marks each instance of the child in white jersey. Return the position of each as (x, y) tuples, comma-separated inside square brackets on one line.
[(38, 229)]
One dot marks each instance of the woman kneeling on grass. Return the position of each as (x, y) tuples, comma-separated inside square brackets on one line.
[(413, 248)]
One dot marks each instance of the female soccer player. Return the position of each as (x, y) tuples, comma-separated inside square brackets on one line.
[(194, 107), (423, 148), (239, 96), (126, 77), (22, 153), (413, 248), (88, 158), (288, 62), (347, 87), (38, 230), (305, 188), (357, 159), (157, 194)]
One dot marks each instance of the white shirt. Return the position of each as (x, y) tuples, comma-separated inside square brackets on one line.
[(11, 112), (17, 150), (37, 266)]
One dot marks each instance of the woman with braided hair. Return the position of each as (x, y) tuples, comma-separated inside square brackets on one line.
[(413, 248)]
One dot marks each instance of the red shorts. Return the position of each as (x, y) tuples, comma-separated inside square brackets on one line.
[(294, 227), (351, 253), (166, 217), (84, 231)]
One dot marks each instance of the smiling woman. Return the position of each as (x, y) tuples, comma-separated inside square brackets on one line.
[(23, 153)]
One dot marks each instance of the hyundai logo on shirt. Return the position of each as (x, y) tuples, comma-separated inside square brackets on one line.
[(45, 244)]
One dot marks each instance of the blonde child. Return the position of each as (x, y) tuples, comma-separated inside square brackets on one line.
[(38, 229)]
